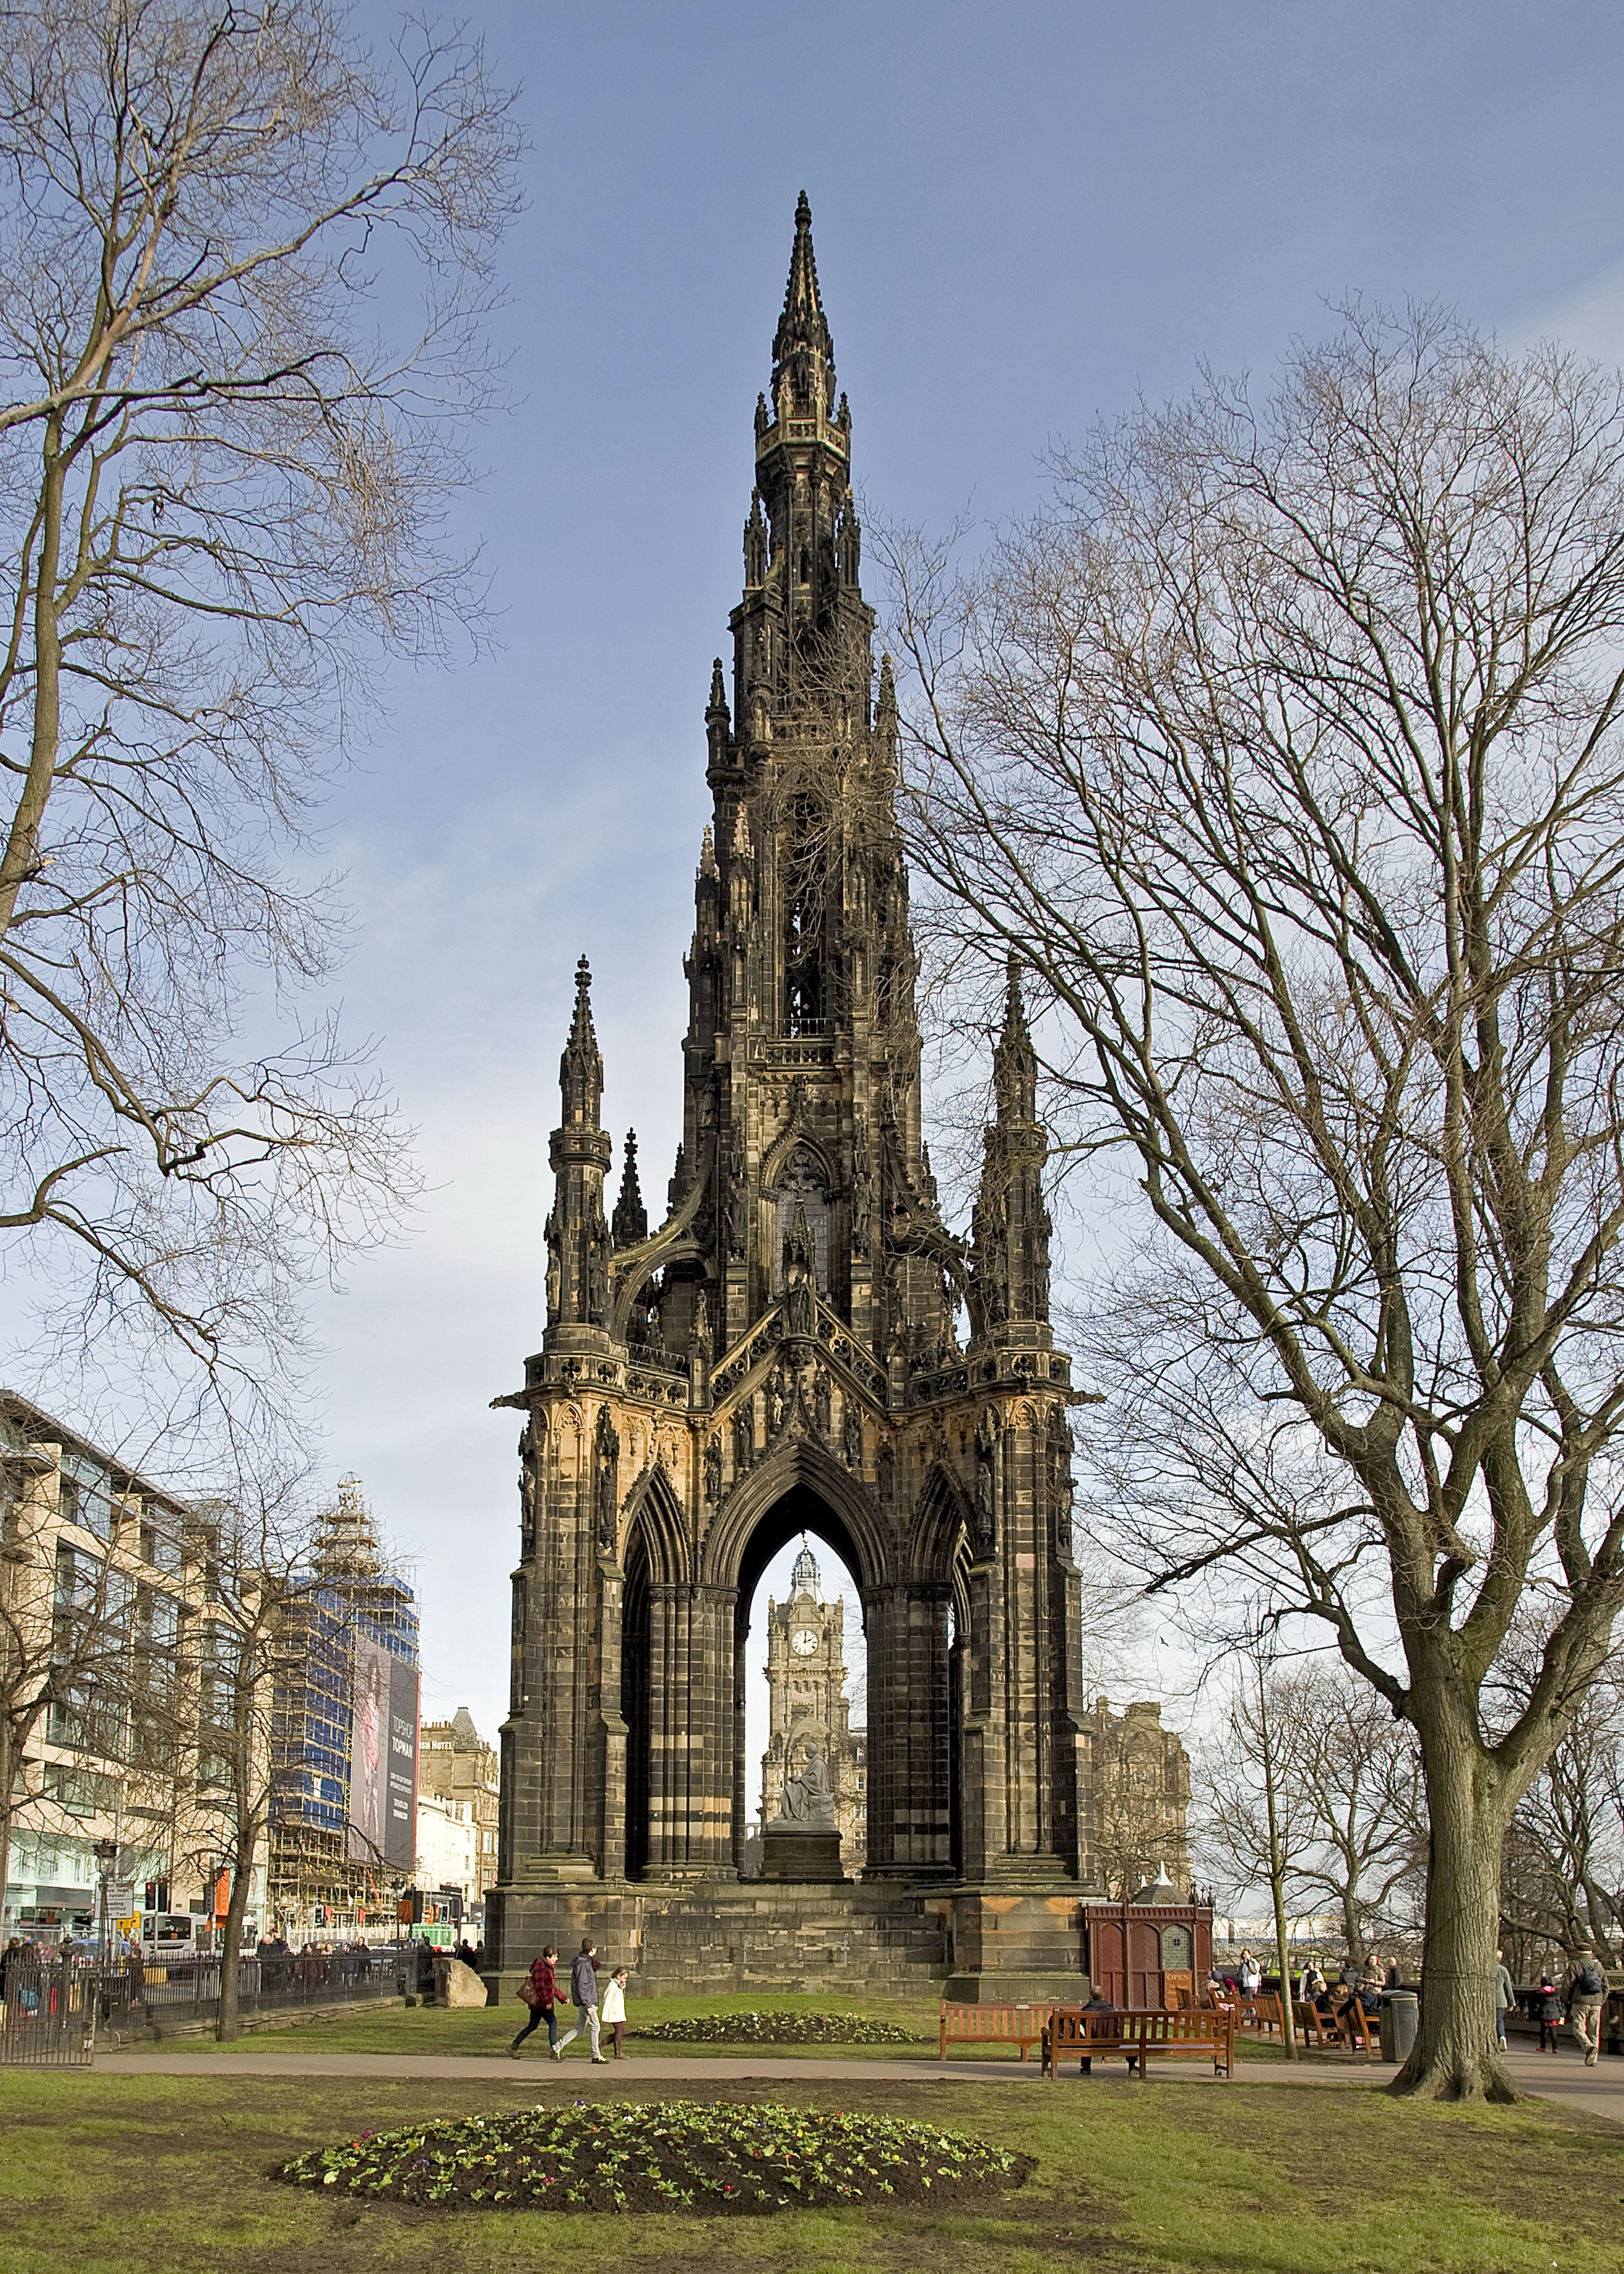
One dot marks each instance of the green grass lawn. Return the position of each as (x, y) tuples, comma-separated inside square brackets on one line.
[(489, 2030), (165, 2175), (395, 2028)]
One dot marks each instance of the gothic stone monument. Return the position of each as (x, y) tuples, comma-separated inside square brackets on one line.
[(783, 1354)]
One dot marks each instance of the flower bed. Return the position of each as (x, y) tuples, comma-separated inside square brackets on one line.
[(777, 2030), (662, 2156)]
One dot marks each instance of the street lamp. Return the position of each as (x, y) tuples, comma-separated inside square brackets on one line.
[(106, 1852)]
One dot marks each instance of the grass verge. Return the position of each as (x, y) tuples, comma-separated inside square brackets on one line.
[(163, 2175)]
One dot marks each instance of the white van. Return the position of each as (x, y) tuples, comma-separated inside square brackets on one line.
[(167, 1935)]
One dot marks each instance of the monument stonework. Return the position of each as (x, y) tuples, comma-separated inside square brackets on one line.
[(785, 1353)]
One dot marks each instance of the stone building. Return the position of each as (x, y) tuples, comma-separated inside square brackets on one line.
[(1135, 1798), (455, 1764), (111, 1631), (802, 1343), (808, 1705)]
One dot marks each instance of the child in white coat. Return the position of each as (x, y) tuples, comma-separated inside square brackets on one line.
[(614, 2010)]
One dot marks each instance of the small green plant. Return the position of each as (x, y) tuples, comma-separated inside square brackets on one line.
[(673, 2156)]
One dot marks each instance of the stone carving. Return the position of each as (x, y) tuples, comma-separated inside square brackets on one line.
[(713, 1468), (554, 1267), (744, 1439), (985, 1530), (605, 1470), (701, 1337), (808, 1797), (853, 1447), (822, 1403), (738, 1194), (862, 1188)]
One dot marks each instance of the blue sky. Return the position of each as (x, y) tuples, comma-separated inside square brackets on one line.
[(1024, 214)]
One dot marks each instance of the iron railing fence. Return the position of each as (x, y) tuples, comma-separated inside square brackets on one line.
[(47, 2017), (192, 1987), (53, 2010)]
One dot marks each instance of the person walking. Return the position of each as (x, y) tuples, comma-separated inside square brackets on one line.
[(1550, 2013), (1586, 1990), (1250, 1975), (583, 1991), (543, 2000), (1505, 1997), (614, 2010)]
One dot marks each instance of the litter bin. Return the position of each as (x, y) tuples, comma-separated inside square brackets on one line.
[(1401, 2010)]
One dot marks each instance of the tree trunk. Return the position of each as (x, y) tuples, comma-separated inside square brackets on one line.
[(236, 1904), (1455, 2055)]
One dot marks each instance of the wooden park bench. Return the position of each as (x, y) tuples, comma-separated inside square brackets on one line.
[(981, 2025), (1074, 2031), (1139, 2034), (1194, 2033)]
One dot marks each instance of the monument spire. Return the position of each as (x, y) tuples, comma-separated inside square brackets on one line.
[(576, 1234), (803, 350)]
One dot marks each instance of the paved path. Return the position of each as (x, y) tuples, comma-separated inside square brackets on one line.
[(1561, 2077)]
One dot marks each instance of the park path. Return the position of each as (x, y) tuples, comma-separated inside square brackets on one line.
[(1561, 2077)]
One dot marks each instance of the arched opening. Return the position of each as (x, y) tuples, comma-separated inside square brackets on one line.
[(803, 1648), (636, 1701)]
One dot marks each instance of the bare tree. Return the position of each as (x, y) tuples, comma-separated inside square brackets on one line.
[(223, 510), (1562, 1870), (1285, 752), (1359, 1773), (1257, 1818)]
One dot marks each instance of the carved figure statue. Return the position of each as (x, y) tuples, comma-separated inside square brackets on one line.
[(702, 1320), (854, 1438), (822, 1403), (808, 1796), (607, 1464), (736, 1193), (744, 1440), (713, 1469)]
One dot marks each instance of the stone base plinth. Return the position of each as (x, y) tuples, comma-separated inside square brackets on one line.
[(1012, 1945), (790, 1851)]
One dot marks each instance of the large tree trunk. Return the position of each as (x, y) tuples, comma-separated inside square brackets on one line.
[(1455, 2055)]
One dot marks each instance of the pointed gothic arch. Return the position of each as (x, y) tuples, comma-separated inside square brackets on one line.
[(801, 1469)]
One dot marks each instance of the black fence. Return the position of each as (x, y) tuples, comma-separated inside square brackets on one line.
[(189, 1989), (48, 2014)]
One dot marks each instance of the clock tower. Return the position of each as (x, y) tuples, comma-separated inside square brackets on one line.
[(806, 1683)]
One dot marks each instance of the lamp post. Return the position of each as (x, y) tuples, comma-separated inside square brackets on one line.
[(106, 1852)]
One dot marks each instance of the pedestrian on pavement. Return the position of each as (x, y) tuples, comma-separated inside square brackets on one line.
[(583, 1991), (614, 2009), (1586, 1989), (1504, 1998), (1251, 1975), (542, 2000), (1550, 2013)]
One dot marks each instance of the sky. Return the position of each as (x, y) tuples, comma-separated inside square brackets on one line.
[(1025, 216)]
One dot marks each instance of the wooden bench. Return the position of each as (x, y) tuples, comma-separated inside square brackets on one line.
[(1073, 2030), (1194, 2033), (1138, 2035), (982, 2025)]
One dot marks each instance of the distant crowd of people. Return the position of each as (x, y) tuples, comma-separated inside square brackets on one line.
[(1355, 1995)]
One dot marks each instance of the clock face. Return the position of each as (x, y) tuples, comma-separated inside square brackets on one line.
[(803, 1642)]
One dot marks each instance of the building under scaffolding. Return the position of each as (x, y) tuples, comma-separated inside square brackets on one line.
[(319, 1884)]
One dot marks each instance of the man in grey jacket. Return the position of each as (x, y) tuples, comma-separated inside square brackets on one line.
[(583, 1991)]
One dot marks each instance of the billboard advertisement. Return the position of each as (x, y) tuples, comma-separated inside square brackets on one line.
[(383, 1758)]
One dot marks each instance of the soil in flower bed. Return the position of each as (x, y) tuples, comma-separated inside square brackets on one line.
[(704, 2157), (777, 2030)]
